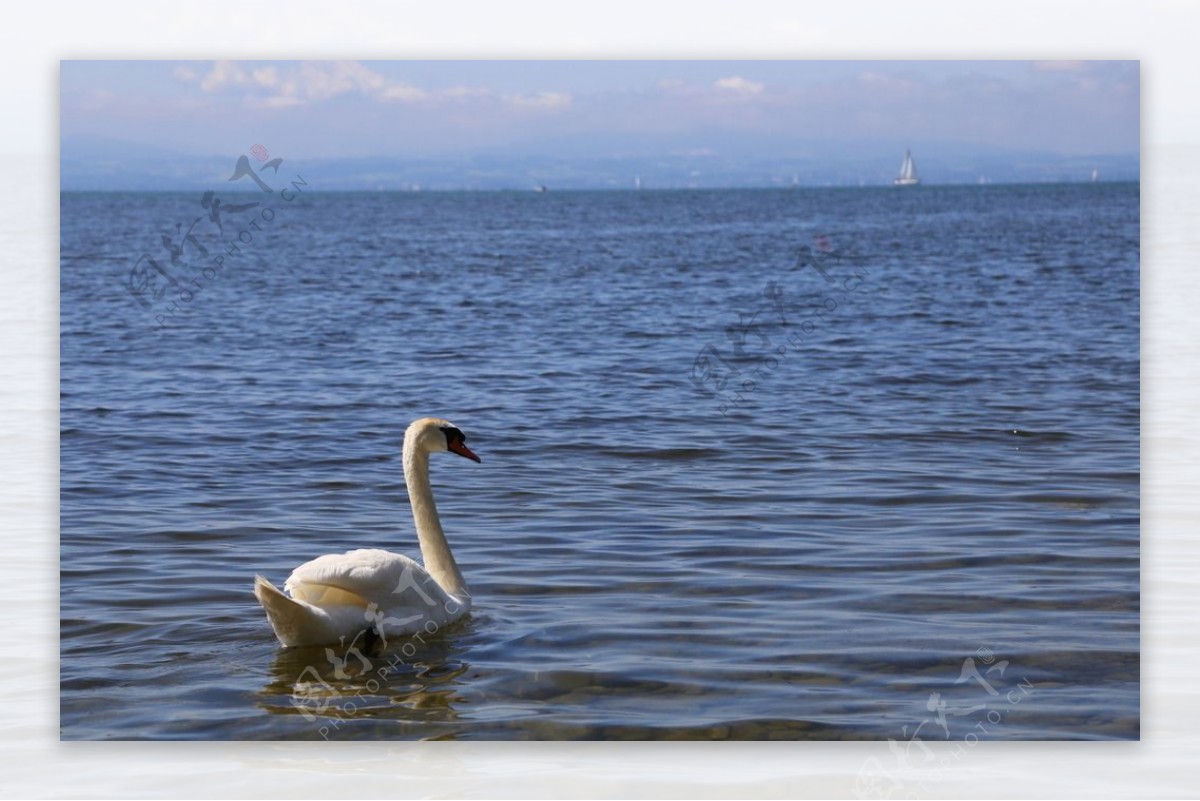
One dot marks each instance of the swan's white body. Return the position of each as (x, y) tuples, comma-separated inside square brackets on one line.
[(335, 597)]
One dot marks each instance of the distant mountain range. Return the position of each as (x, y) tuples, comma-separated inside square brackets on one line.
[(697, 161)]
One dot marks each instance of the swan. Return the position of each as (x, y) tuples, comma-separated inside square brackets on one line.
[(340, 595)]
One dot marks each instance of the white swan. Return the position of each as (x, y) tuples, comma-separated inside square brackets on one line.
[(337, 596)]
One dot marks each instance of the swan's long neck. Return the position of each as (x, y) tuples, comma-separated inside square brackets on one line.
[(434, 549)]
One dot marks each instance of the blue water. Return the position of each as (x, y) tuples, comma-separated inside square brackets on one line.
[(723, 495)]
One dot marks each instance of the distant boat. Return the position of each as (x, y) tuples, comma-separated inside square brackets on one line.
[(1095, 175), (908, 172), (637, 182), (539, 188)]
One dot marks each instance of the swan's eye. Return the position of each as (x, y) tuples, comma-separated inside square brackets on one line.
[(457, 443)]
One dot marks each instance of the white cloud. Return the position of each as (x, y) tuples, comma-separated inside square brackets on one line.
[(223, 73), (267, 76), (886, 83), (97, 99), (277, 101), (311, 82), (540, 101), (1058, 66), (403, 91), (280, 86), (739, 86), (321, 80)]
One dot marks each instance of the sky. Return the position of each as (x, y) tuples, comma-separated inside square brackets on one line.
[(429, 109)]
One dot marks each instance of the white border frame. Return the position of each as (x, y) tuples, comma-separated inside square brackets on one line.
[(1161, 34)]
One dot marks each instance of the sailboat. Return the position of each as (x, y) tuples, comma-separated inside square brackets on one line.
[(908, 172)]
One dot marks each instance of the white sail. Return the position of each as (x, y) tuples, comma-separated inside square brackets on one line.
[(908, 171)]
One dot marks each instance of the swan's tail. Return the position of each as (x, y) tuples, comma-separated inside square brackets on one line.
[(294, 622)]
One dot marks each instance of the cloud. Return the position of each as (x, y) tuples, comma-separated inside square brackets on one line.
[(97, 99), (267, 76), (309, 82), (887, 83), (403, 91), (278, 86), (321, 80), (279, 101), (223, 74), (1057, 66), (739, 86), (541, 101)]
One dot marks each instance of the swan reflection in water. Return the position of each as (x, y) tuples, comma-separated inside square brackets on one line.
[(354, 684)]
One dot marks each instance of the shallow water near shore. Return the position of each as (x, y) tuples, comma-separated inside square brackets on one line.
[(724, 493)]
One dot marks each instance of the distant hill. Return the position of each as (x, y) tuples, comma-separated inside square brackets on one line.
[(700, 161)]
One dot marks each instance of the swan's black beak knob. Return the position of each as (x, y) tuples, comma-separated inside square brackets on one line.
[(457, 443)]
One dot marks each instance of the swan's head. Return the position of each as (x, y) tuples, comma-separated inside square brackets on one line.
[(434, 435)]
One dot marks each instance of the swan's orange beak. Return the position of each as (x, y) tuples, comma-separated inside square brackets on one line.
[(462, 450)]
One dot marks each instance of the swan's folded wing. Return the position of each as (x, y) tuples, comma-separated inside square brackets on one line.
[(363, 577)]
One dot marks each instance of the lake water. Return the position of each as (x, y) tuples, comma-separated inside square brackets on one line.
[(812, 463)]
